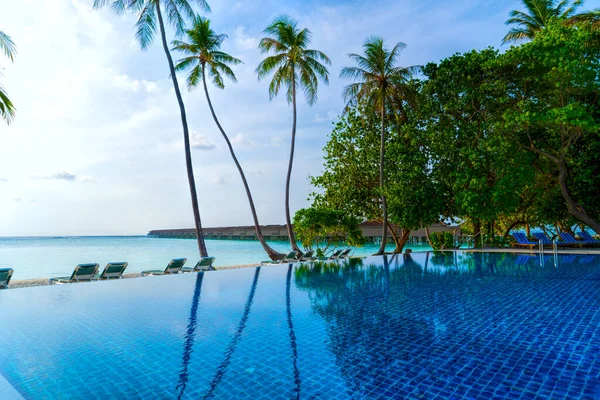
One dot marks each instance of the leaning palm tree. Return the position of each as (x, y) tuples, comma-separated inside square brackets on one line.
[(149, 15), (204, 56), (380, 81), (526, 24), (7, 109), (294, 67)]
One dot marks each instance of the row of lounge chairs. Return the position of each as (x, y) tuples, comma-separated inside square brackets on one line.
[(114, 270), (568, 240), (295, 256)]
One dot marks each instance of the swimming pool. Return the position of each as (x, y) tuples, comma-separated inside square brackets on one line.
[(462, 325)]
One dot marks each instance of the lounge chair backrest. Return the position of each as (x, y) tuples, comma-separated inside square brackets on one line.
[(520, 237), (345, 253), (5, 275), (84, 272), (204, 264), (291, 256), (113, 270), (335, 255), (542, 236), (587, 237), (568, 238), (308, 255), (175, 266)]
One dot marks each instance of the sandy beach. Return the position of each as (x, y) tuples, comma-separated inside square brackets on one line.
[(22, 283)]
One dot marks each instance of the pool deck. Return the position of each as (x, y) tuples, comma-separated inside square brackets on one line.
[(22, 283)]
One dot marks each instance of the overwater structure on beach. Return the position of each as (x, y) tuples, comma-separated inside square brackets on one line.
[(370, 230)]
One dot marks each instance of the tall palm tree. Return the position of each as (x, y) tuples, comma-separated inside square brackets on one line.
[(380, 80), (294, 67), (537, 16), (204, 55), (7, 109), (149, 15)]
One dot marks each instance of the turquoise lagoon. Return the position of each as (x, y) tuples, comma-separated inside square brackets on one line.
[(45, 257)]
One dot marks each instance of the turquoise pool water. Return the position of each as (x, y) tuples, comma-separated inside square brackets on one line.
[(449, 326), (47, 256)]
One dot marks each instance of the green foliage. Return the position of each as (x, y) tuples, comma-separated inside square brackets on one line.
[(441, 240), (539, 14), (204, 55), (176, 11), (324, 227), (293, 65), (7, 108)]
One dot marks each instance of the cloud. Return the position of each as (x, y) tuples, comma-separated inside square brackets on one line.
[(199, 141), (59, 176), (242, 40), (242, 140), (17, 199), (127, 82), (3, 179), (217, 180), (327, 117)]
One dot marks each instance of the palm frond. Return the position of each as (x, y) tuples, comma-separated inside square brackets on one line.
[(266, 66), (185, 63), (194, 78), (7, 46), (7, 109), (146, 26)]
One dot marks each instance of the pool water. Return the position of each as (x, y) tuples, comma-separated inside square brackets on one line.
[(450, 325)]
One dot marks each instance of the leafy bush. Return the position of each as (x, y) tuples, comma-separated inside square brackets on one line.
[(442, 240)]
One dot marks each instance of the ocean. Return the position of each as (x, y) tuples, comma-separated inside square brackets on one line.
[(46, 257)]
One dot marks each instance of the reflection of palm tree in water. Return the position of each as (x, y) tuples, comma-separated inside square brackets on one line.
[(288, 307), (189, 336), (222, 368)]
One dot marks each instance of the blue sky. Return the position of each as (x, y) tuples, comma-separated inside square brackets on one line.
[(96, 147)]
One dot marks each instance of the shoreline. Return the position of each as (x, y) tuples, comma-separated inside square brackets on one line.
[(33, 282)]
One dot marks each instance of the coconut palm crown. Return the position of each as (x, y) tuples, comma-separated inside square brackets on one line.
[(204, 55), (538, 13), (293, 67), (378, 81), (7, 109)]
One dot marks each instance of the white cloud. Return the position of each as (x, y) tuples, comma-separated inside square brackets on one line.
[(199, 141), (326, 117), (242, 40), (3, 179), (241, 140), (217, 180), (59, 176)]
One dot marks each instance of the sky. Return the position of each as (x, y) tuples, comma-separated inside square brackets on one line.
[(97, 148)]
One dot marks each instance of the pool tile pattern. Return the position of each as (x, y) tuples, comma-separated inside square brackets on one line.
[(450, 325)]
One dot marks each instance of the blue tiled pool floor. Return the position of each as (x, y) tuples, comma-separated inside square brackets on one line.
[(452, 325)]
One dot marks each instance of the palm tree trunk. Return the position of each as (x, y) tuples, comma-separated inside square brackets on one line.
[(273, 255), (289, 172), (381, 180), (186, 139)]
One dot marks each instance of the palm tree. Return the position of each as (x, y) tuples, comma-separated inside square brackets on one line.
[(7, 109), (380, 81), (204, 55), (294, 67), (149, 14), (538, 14)]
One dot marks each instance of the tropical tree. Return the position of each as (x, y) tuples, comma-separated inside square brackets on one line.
[(7, 109), (380, 82), (294, 67), (539, 13), (204, 56), (149, 16)]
